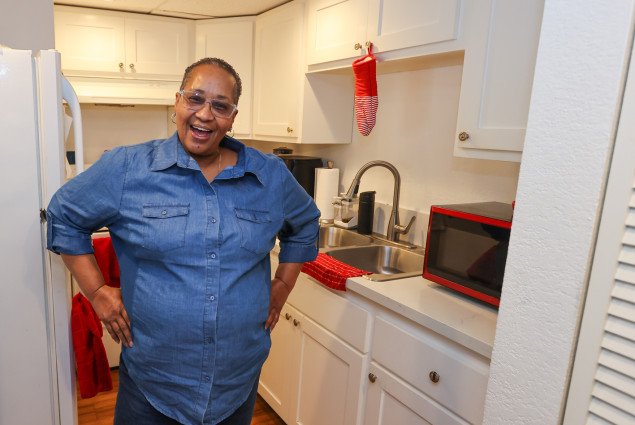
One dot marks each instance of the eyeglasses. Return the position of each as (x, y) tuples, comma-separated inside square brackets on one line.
[(194, 101)]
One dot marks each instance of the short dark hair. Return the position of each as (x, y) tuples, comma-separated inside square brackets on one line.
[(219, 63)]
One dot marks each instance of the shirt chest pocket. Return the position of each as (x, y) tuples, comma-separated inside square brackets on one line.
[(257, 230), (164, 226)]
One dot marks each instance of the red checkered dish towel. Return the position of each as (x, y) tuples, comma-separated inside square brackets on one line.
[(331, 272)]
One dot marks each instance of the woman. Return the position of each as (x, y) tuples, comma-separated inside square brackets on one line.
[(192, 219)]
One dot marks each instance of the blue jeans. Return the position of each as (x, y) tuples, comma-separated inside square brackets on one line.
[(132, 408)]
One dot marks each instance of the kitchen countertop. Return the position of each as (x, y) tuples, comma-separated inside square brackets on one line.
[(458, 318)]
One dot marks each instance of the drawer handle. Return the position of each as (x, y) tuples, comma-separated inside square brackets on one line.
[(463, 136), (434, 377), (120, 65), (132, 66), (372, 377), (289, 130), (295, 322), (287, 316), (358, 46)]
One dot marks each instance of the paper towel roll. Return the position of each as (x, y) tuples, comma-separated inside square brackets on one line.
[(327, 182)]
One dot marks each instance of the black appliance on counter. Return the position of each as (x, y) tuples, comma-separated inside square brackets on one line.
[(302, 167)]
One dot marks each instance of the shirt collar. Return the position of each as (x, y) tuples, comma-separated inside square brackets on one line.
[(170, 151)]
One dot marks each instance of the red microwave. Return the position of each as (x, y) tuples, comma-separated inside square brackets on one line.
[(466, 248)]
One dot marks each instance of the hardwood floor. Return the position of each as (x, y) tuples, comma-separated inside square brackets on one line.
[(99, 410)]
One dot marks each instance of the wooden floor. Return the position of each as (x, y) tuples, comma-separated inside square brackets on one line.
[(99, 410)]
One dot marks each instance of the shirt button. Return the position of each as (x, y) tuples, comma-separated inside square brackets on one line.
[(213, 220), (164, 212), (209, 340), (207, 378), (212, 298), (213, 255)]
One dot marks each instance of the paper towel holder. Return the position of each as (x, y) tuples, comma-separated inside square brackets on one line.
[(325, 221)]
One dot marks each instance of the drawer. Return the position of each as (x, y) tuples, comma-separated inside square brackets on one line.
[(340, 316), (414, 353)]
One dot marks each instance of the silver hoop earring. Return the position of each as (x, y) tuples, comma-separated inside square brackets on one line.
[(232, 131), (172, 117)]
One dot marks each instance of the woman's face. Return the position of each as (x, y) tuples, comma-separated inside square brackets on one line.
[(201, 131)]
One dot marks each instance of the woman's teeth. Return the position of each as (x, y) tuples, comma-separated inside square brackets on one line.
[(204, 130)]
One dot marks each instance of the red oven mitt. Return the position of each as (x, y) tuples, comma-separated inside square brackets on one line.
[(366, 99)]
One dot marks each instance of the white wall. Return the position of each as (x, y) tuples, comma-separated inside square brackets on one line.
[(575, 101), (105, 127), (27, 24), (416, 122)]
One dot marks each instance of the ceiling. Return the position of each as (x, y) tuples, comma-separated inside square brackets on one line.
[(193, 9)]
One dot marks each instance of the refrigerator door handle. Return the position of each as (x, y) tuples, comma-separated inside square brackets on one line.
[(68, 94)]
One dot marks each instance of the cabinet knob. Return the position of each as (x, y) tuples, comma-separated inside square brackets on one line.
[(368, 44), (289, 130), (463, 136), (287, 316), (131, 66), (358, 46), (434, 377), (295, 322), (120, 65), (372, 377)]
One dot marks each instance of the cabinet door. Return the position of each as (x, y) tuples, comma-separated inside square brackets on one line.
[(233, 41), (391, 401), (500, 55), (278, 378), (89, 41), (397, 24), (157, 46), (329, 390), (335, 27), (278, 72)]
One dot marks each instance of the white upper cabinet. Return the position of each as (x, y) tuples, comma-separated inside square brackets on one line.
[(101, 43), (278, 72), (342, 29), (501, 42), (290, 106), (232, 39)]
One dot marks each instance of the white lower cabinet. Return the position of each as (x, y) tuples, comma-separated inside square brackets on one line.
[(311, 377), (449, 378), (337, 358), (390, 400), (330, 378)]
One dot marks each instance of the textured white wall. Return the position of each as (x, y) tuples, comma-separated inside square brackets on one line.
[(575, 99)]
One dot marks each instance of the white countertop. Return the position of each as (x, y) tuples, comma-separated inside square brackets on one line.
[(458, 318)]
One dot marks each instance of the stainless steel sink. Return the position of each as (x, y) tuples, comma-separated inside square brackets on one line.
[(335, 237), (386, 262)]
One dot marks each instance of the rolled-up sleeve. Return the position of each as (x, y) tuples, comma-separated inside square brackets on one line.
[(300, 231), (86, 203)]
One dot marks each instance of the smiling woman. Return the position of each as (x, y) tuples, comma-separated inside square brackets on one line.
[(192, 219)]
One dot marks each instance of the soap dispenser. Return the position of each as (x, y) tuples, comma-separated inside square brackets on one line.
[(366, 213)]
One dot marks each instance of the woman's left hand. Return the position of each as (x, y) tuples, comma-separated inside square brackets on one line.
[(279, 294)]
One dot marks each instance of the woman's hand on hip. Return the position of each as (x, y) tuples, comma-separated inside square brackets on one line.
[(108, 305), (279, 294)]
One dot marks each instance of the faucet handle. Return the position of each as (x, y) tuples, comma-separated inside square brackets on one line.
[(403, 230)]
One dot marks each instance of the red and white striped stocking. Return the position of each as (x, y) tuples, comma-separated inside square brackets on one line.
[(366, 99)]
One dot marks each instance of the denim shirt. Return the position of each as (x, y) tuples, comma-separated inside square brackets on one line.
[(194, 264)]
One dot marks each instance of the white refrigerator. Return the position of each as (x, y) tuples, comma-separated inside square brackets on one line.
[(37, 374)]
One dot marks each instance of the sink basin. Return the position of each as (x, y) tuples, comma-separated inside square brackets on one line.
[(385, 262), (335, 237)]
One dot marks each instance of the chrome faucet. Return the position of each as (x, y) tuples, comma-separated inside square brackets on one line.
[(394, 228)]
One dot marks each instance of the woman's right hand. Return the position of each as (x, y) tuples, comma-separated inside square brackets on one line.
[(108, 304)]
